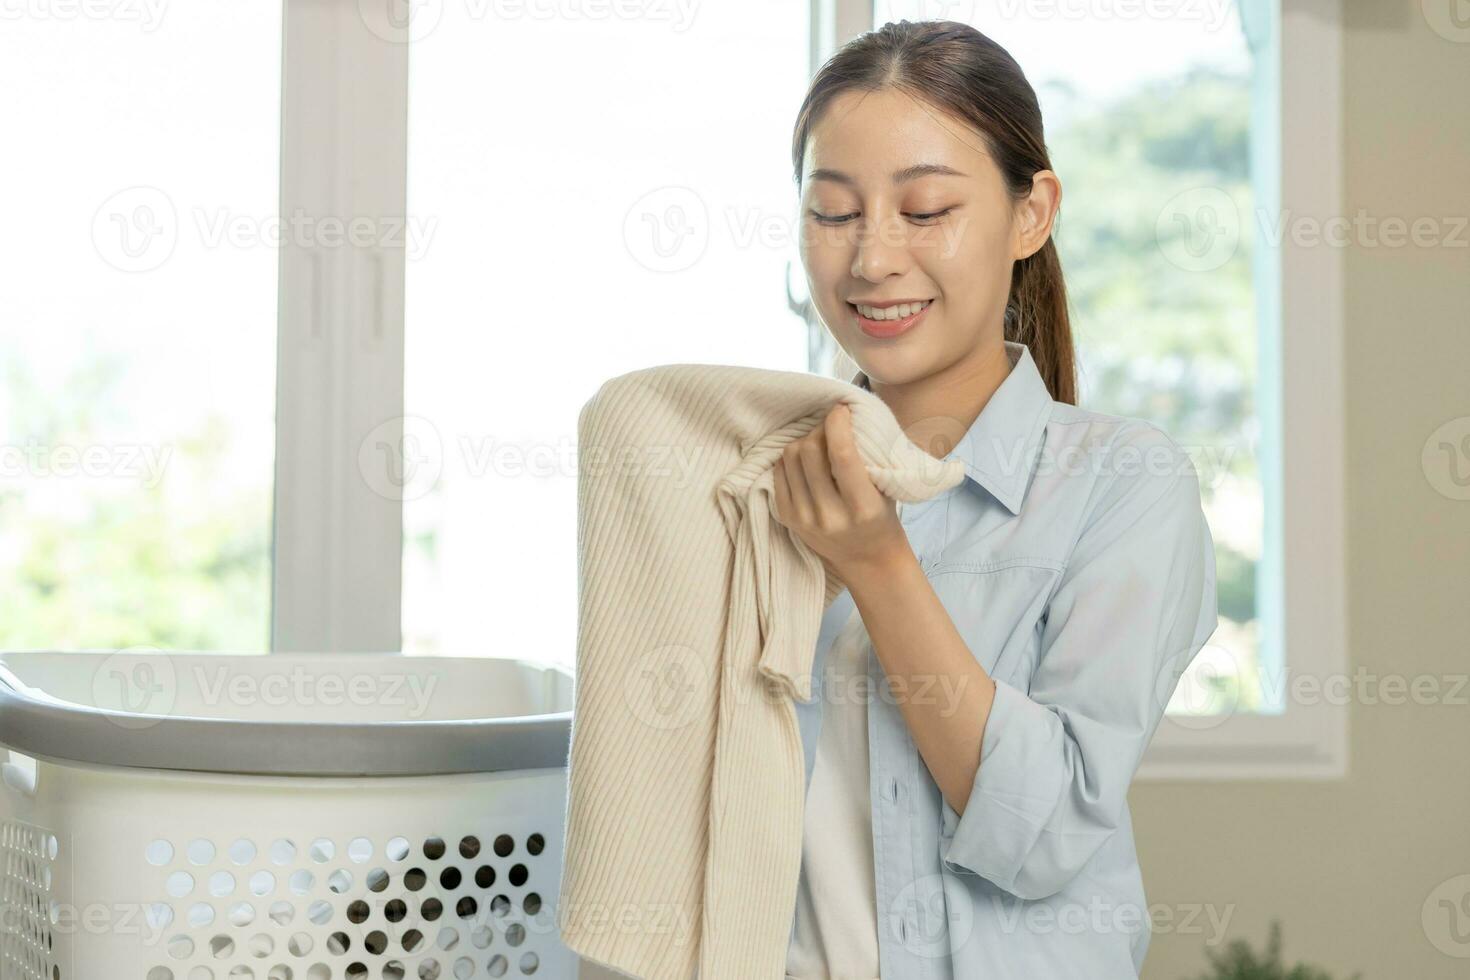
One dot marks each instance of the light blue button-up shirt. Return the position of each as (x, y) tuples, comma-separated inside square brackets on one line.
[(1075, 561)]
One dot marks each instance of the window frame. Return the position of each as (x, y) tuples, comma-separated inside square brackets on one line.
[(338, 536)]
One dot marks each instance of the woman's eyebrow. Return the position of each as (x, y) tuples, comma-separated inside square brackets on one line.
[(899, 176)]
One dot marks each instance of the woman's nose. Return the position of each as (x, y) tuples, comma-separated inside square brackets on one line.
[(882, 249)]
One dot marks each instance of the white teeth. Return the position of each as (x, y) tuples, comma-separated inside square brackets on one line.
[(891, 312)]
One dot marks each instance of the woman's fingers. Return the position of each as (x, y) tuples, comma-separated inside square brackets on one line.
[(847, 464), (821, 478), (826, 498), (800, 496), (782, 492)]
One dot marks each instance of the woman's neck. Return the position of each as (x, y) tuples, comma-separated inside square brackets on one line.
[(936, 411)]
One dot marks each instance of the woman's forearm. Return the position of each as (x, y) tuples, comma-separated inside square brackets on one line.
[(943, 692)]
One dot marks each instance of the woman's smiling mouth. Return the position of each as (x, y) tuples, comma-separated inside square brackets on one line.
[(889, 319)]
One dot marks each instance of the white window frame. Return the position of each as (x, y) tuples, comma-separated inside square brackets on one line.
[(338, 561), (337, 581)]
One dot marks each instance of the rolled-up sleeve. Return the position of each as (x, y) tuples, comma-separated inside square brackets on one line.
[(1133, 606)]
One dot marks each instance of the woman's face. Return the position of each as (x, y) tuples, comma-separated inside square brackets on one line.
[(901, 203)]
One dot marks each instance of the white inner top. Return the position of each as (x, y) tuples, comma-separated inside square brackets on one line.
[(835, 933)]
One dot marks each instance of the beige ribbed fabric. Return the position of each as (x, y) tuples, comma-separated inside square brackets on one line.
[(697, 623)]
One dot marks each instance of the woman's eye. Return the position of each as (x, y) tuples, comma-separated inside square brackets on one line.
[(838, 219)]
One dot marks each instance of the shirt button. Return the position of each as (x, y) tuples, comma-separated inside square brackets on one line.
[(890, 790)]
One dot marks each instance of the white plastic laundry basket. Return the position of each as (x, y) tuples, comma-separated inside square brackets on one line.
[(281, 817)]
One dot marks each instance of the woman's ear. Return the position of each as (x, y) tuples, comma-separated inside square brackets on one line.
[(1037, 213)]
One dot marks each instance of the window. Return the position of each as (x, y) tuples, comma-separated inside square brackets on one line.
[(593, 210), (137, 345), (1149, 124)]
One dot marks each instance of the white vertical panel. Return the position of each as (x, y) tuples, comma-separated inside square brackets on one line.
[(338, 519)]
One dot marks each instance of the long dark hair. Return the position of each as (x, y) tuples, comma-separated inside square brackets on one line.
[(959, 70)]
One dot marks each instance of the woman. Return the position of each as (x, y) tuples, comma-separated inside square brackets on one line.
[(1022, 632)]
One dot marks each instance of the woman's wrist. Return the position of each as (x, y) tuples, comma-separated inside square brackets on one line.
[(881, 569)]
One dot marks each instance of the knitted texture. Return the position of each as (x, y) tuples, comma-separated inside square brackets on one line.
[(698, 616)]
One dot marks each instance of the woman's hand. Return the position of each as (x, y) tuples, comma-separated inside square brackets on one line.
[(825, 496)]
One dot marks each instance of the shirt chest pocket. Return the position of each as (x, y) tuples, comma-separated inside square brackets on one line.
[(997, 607)]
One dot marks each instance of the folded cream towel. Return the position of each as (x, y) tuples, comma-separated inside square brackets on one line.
[(698, 615)]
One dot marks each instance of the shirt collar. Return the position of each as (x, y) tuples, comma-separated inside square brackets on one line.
[(1000, 448)]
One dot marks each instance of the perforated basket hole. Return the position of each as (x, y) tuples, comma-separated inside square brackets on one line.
[(356, 908), (28, 949)]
